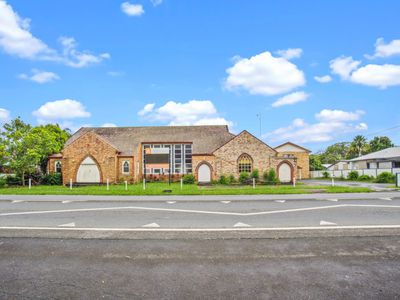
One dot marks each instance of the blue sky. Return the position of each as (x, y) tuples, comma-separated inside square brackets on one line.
[(205, 62)]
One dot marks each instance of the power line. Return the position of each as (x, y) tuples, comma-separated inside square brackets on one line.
[(383, 130)]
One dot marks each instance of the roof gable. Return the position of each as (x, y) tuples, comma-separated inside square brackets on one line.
[(241, 134), (289, 145)]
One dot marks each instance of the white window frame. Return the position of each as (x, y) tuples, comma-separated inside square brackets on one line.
[(123, 167), (55, 166)]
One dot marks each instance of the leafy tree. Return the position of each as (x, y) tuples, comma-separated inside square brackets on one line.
[(25, 149), (358, 146), (315, 162), (334, 153), (380, 143)]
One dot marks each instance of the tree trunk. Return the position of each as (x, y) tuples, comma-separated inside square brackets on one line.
[(23, 178)]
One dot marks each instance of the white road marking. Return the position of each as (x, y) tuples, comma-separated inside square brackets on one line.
[(334, 200), (17, 201), (202, 229), (326, 223), (151, 225), (386, 199), (66, 201), (68, 225), (171, 202), (225, 202), (240, 224), (195, 211), (280, 201)]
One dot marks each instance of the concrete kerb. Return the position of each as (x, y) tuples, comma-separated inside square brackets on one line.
[(196, 198)]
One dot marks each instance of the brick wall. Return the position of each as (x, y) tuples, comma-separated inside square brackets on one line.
[(226, 157), (303, 161), (92, 145)]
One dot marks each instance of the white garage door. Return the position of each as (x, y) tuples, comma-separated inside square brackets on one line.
[(285, 173), (204, 173), (88, 172)]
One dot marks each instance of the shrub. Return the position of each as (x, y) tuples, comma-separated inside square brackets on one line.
[(2, 182), (232, 179), (325, 174), (188, 179), (13, 180), (364, 178), (270, 177), (353, 175), (385, 177), (223, 180), (255, 174), (51, 179), (244, 177)]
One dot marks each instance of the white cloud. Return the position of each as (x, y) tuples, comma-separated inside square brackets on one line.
[(290, 53), (385, 50), (108, 125), (77, 59), (156, 2), (323, 79), (40, 76), (264, 74), (329, 125), (343, 66), (4, 115), (381, 76), (291, 99), (193, 112), (336, 115), (16, 39), (132, 9), (146, 109), (61, 110)]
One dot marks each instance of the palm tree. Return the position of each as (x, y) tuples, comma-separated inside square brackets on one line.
[(358, 145)]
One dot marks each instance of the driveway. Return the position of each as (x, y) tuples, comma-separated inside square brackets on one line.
[(371, 185)]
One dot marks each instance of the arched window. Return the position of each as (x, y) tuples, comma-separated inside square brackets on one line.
[(125, 167), (57, 167), (245, 163)]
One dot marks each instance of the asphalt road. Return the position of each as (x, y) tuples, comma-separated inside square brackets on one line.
[(303, 268), (88, 217)]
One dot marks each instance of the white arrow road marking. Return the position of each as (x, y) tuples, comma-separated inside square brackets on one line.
[(387, 199), (280, 201), (68, 225), (171, 202), (326, 223), (17, 201), (66, 201), (225, 202), (240, 224), (151, 225), (334, 200)]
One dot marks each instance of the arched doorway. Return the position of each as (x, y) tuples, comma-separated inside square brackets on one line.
[(88, 171), (204, 173), (285, 172)]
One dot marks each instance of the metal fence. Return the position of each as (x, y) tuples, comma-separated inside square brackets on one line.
[(345, 173)]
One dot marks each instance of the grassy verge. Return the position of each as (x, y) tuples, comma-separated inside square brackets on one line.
[(158, 189)]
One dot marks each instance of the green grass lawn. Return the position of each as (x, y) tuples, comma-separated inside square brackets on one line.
[(158, 188)]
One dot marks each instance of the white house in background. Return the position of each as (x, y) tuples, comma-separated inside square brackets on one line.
[(339, 165), (384, 159)]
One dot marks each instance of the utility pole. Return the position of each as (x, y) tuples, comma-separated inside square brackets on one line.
[(259, 118)]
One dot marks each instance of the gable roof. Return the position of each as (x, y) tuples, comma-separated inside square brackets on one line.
[(244, 131), (294, 145), (393, 152), (205, 139)]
